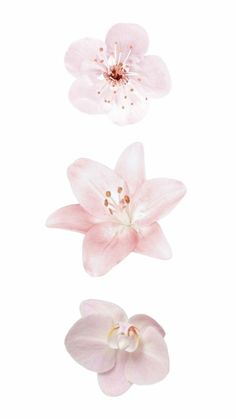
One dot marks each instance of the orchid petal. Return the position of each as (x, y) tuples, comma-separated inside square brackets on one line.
[(87, 343), (150, 363), (142, 321), (104, 308), (114, 382)]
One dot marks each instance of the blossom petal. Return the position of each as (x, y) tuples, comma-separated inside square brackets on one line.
[(90, 181), (131, 167), (84, 50), (127, 36), (152, 242), (84, 95), (142, 321), (105, 245), (150, 363), (86, 342), (72, 217), (128, 108), (156, 198), (154, 78), (114, 382), (105, 308)]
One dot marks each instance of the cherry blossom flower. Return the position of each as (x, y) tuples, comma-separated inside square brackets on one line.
[(122, 351), (115, 77), (118, 210)]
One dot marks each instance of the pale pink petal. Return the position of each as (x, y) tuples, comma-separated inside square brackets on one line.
[(114, 382), (105, 245), (131, 167), (86, 342), (156, 198), (152, 242), (128, 107), (72, 217), (153, 77), (142, 321), (105, 308), (84, 95), (150, 363), (127, 36), (90, 181), (84, 50)]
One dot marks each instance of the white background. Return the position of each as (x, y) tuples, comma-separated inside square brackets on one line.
[(190, 136)]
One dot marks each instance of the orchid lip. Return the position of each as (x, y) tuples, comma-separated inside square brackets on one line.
[(123, 336)]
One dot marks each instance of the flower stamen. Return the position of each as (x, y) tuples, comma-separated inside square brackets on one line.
[(118, 207)]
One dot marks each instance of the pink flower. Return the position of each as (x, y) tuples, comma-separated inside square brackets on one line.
[(122, 351), (118, 210), (115, 77)]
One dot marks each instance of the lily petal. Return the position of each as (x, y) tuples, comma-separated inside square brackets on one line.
[(127, 36), (105, 308), (105, 245), (114, 382), (150, 363), (86, 342), (86, 49), (130, 166), (72, 217), (142, 321), (154, 77), (156, 198), (90, 181), (152, 242)]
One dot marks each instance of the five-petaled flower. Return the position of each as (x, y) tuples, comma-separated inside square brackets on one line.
[(115, 77), (118, 210), (122, 351)]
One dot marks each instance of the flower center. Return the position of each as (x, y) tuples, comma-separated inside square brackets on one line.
[(118, 208), (123, 336), (116, 75)]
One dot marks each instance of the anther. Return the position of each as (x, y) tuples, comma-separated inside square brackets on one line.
[(131, 90), (108, 194), (106, 203), (127, 199), (119, 189), (101, 49), (110, 211)]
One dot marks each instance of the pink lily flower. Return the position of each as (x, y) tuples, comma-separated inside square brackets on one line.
[(122, 351), (115, 77), (118, 210)]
